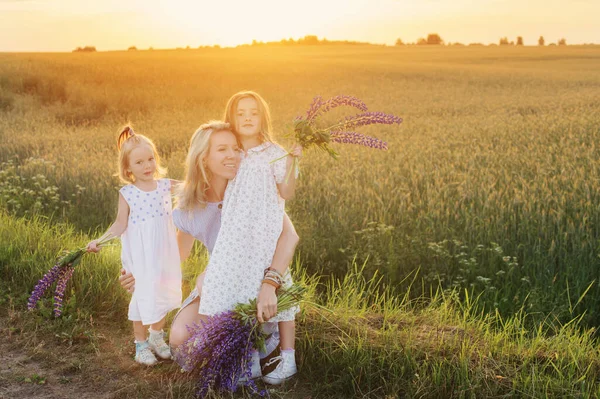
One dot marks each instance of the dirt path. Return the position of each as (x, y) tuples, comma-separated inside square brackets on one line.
[(94, 362)]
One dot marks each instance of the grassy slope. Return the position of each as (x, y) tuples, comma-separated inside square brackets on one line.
[(371, 345)]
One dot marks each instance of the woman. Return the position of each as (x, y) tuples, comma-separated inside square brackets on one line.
[(213, 159)]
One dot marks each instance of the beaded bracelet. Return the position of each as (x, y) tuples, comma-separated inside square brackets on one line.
[(274, 277), (275, 273)]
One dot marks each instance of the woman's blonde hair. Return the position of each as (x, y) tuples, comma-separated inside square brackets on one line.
[(191, 193), (126, 142), (263, 109)]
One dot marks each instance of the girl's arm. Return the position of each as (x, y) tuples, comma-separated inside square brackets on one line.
[(174, 184), (284, 254), (288, 189), (185, 242), (118, 227)]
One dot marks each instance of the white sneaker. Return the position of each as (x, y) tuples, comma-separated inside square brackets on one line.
[(143, 354), (254, 369), (286, 368), (158, 345)]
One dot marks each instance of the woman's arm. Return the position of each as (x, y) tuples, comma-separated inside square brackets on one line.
[(185, 242), (284, 254), (118, 227)]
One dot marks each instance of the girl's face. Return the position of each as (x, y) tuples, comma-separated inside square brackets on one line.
[(142, 163), (247, 120), (223, 156)]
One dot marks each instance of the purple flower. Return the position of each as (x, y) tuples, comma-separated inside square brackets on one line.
[(220, 351), (42, 285), (61, 285), (319, 106), (370, 118), (359, 139)]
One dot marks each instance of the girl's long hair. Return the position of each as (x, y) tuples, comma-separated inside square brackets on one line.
[(192, 192)]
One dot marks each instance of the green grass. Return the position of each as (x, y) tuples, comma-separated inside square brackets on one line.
[(369, 343)]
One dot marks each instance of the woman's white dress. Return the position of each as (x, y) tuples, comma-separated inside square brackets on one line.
[(252, 221), (149, 251)]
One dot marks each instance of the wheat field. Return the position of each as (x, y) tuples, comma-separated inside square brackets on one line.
[(490, 185)]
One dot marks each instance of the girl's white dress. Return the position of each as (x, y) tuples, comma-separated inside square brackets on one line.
[(149, 251), (251, 223)]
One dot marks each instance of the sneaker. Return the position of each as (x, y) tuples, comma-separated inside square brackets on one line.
[(285, 369), (254, 369), (143, 354), (158, 345)]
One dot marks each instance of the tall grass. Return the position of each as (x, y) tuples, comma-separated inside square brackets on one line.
[(367, 342), (496, 158)]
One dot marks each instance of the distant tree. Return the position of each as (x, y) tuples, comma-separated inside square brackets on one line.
[(309, 39), (216, 46), (475, 44), (132, 48), (150, 48), (541, 41), (86, 49), (434, 38), (519, 40), (552, 44), (504, 41), (562, 42), (421, 42), (399, 42)]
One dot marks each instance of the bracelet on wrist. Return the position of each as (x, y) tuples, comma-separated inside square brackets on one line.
[(271, 283)]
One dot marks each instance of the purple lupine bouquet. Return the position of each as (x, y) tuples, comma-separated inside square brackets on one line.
[(61, 273), (219, 349), (309, 132)]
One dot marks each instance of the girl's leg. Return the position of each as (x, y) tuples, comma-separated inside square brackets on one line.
[(287, 333), (139, 331)]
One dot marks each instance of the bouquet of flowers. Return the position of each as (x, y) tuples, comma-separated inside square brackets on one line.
[(308, 131), (219, 350), (60, 273)]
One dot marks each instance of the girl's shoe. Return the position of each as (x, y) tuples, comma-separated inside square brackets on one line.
[(143, 354), (286, 368), (158, 345)]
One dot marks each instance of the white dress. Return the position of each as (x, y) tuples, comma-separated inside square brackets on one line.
[(149, 251), (251, 223)]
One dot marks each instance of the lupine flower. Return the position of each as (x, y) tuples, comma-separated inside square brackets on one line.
[(219, 350), (61, 286), (319, 106), (359, 139), (61, 273), (308, 134)]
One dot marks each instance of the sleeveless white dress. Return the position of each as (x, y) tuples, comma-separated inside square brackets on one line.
[(251, 223), (149, 251)]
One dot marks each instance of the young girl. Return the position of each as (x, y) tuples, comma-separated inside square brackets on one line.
[(149, 245), (253, 213)]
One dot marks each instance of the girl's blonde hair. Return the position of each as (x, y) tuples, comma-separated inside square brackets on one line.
[(126, 142), (191, 193), (263, 109)]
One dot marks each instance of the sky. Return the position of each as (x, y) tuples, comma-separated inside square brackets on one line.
[(62, 25)]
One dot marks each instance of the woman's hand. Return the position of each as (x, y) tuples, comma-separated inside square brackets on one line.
[(93, 246), (266, 304), (127, 281)]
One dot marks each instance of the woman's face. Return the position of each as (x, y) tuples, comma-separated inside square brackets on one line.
[(223, 158)]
